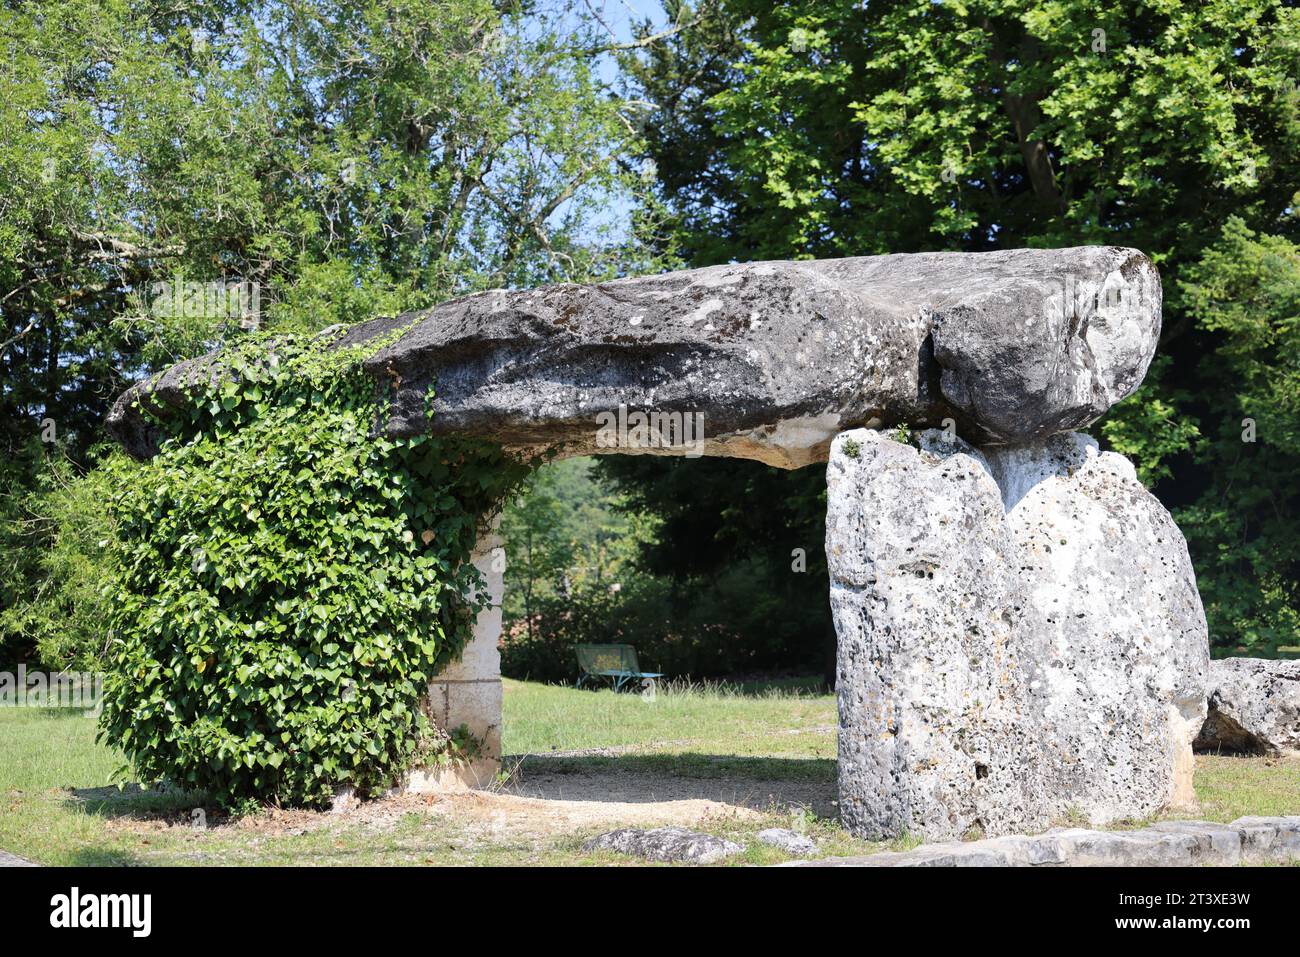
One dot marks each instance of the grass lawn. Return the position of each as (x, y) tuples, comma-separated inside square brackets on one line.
[(611, 759)]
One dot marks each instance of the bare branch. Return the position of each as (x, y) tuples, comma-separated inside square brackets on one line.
[(121, 249), (615, 45), (4, 346)]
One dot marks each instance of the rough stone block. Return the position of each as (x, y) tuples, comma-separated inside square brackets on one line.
[(1254, 707), (1020, 637), (1110, 627), (667, 844), (777, 356), (1171, 844), (1266, 839), (932, 739), (1218, 844)]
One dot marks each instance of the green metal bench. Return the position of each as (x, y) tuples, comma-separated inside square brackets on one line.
[(616, 662)]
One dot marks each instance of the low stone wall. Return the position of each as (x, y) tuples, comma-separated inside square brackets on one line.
[(1247, 840)]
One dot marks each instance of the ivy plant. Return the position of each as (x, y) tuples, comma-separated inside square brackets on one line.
[(290, 580)]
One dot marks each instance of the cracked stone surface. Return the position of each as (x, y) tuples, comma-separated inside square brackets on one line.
[(1020, 637), (1254, 707), (1110, 626), (778, 357), (933, 739)]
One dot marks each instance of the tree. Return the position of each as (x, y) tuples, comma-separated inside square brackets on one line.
[(60, 534), (820, 128), (742, 546), (1245, 291), (349, 158), (174, 174)]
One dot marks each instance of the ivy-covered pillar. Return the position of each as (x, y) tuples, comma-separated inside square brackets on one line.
[(464, 700)]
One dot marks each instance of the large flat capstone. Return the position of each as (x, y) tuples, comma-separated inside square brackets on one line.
[(765, 360)]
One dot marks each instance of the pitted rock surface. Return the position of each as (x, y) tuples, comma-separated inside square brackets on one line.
[(778, 357), (1020, 637), (1110, 625), (933, 734), (1254, 707)]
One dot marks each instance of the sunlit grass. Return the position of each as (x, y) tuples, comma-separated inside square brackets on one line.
[(720, 719), (56, 806), (1231, 787)]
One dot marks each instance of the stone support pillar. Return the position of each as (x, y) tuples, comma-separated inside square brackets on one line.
[(1020, 637), (467, 693)]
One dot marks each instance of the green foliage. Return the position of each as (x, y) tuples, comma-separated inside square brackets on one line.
[(739, 564), (1244, 527), (588, 563), (818, 128), (350, 157), (66, 527), (1153, 425), (289, 582), (569, 570)]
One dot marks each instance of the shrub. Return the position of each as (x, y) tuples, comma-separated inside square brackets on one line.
[(289, 582)]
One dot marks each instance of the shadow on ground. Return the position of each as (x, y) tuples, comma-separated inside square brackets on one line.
[(104, 857), (762, 784), (564, 791), (755, 688), (141, 804)]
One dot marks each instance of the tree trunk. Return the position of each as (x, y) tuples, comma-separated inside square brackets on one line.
[(1025, 118)]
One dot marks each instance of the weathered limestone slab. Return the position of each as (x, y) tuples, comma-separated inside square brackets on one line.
[(666, 844), (468, 691), (1215, 843), (792, 842), (778, 356), (1020, 637), (1249, 840), (1254, 707), (1265, 839)]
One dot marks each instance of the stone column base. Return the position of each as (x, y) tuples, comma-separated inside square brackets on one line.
[(451, 778)]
